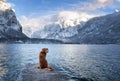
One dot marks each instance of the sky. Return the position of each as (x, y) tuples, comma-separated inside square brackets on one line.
[(46, 7)]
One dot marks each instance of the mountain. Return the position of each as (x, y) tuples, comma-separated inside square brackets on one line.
[(65, 24), (54, 31), (9, 25), (99, 30)]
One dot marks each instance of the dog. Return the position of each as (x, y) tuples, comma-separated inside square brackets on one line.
[(43, 64)]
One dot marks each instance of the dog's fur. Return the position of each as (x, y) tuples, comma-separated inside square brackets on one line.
[(43, 64)]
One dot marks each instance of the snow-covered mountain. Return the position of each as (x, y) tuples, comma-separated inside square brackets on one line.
[(65, 25), (104, 29), (54, 31), (9, 25)]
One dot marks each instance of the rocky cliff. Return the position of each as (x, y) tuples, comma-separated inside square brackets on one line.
[(9, 25)]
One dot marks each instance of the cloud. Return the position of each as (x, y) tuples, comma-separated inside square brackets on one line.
[(30, 25), (72, 18), (90, 6), (65, 15), (4, 5), (71, 15), (118, 0), (3, 0)]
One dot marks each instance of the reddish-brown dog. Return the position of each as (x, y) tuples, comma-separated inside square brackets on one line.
[(43, 64)]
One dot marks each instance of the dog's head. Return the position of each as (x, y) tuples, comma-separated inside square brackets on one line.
[(45, 50)]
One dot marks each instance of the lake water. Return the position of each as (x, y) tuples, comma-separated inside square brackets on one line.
[(91, 62)]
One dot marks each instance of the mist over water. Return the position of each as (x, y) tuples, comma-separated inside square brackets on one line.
[(95, 62)]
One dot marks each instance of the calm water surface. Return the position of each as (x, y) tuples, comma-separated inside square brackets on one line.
[(97, 62)]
